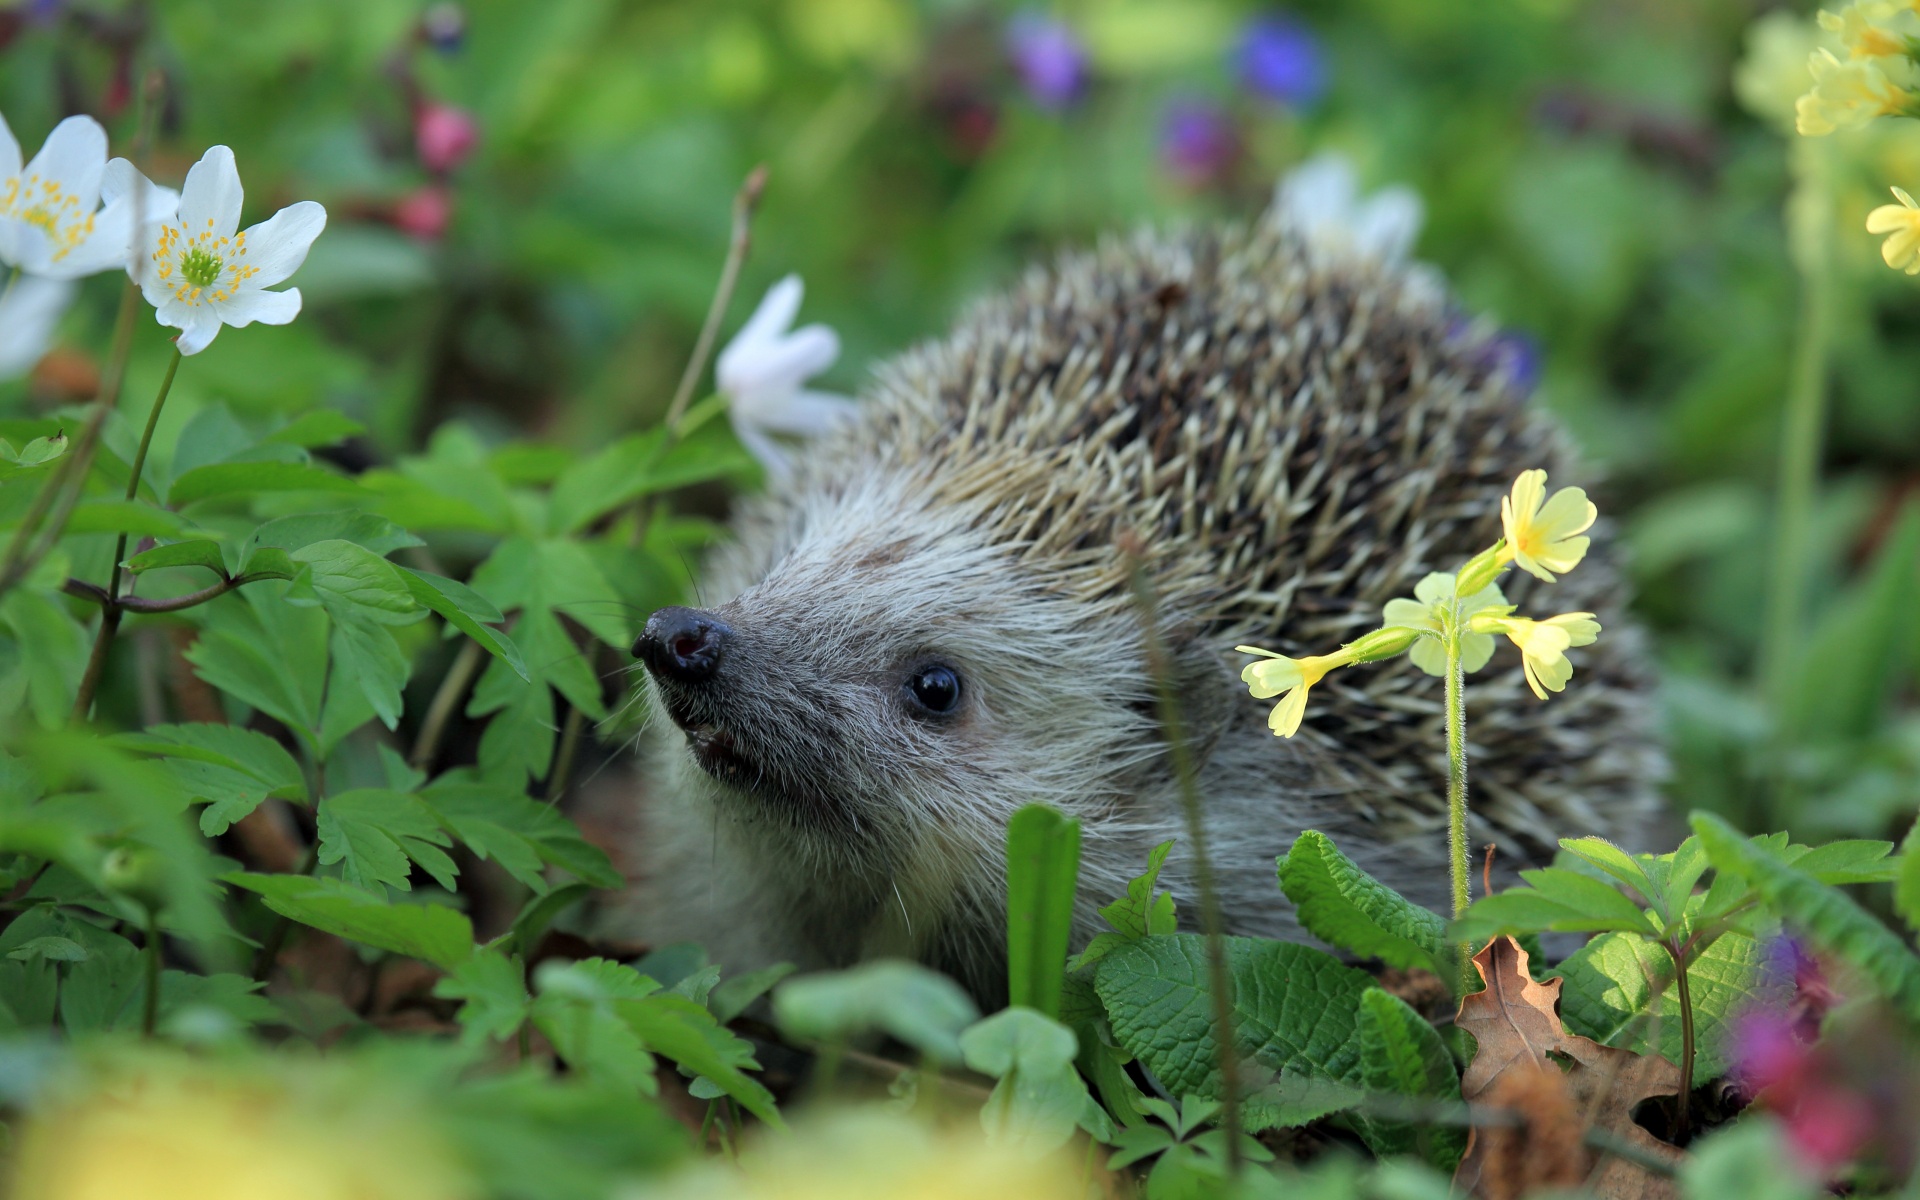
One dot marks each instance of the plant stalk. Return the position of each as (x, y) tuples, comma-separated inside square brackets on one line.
[(110, 615), (150, 1012), (1803, 417), (446, 699), (1685, 996), (1457, 845), (1219, 983)]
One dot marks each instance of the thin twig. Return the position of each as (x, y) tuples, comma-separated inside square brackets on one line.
[(446, 699), (745, 202), (82, 590), (1180, 753)]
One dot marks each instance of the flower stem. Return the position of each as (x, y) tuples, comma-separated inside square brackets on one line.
[(1810, 218), (111, 613), (1685, 997), (1457, 845)]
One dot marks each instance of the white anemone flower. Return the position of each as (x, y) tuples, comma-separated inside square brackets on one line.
[(763, 372), (201, 271), (1321, 198), (30, 308)]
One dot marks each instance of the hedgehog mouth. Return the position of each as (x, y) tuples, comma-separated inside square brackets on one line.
[(716, 752)]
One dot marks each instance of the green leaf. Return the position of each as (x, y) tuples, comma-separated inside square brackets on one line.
[(1845, 862), (1043, 867), (1039, 1098), (351, 580), (640, 465), (368, 530), (575, 1010), (684, 1031), (1753, 1158), (196, 553), (49, 949), (498, 821), (1610, 986), (431, 932), (1556, 899), (1860, 647), (51, 654), (1343, 906), (1295, 1010), (493, 994), (540, 913), (102, 515), (734, 996), (1140, 913), (1826, 914), (316, 427), (1906, 888), (918, 1006), (1615, 862), (464, 609), (368, 664), (373, 833), (1401, 1053), (219, 480), (233, 769)]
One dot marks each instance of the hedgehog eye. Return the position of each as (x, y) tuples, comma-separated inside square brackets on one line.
[(935, 688)]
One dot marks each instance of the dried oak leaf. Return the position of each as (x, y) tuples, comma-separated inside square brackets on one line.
[(1516, 1021)]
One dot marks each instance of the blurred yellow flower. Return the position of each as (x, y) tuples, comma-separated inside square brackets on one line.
[(1290, 679), (1425, 612), (1543, 534), (1847, 95), (168, 1129), (1872, 28), (875, 1154), (1902, 222), (1543, 644), (1772, 74)]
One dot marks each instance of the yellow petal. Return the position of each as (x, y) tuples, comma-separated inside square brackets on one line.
[(1563, 556), (1271, 677), (1568, 513), (1888, 217), (1582, 629), (1286, 715)]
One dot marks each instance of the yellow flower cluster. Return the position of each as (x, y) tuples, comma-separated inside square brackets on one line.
[(1455, 617)]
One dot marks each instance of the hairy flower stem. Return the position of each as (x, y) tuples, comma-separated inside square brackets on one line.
[(1218, 982), (1457, 846), (1810, 220), (111, 613)]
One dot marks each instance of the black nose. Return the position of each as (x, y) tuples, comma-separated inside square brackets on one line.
[(682, 644)]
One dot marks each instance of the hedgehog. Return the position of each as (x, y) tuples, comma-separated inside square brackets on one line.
[(930, 622)]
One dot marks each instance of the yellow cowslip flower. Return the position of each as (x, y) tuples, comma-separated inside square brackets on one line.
[(1872, 28), (1848, 94), (1902, 222), (1290, 679), (1424, 612), (1542, 533), (873, 1154), (1543, 644)]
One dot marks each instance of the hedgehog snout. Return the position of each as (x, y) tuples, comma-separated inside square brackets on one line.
[(682, 645)]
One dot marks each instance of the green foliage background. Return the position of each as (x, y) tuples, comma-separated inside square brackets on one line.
[(1591, 185)]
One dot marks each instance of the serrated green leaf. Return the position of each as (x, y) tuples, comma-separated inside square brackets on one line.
[(496, 819), (1609, 995), (316, 427), (1294, 1008), (51, 654), (575, 1010), (1140, 913), (684, 1031), (493, 994), (373, 833), (49, 949), (102, 515), (464, 609), (370, 531), (640, 465), (351, 579), (733, 996), (918, 1006), (367, 661), (1400, 1053), (1826, 914), (1615, 862), (1906, 888), (1555, 899), (1343, 906), (1852, 861), (233, 769), (432, 932), (219, 480), (1043, 867)]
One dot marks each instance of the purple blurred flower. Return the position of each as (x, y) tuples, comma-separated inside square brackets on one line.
[(1767, 1051), (445, 27), (1197, 141), (1280, 58), (1049, 59), (1517, 355)]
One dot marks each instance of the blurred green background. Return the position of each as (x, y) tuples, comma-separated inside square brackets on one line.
[(1591, 183)]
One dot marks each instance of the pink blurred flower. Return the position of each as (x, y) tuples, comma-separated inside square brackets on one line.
[(1828, 1125), (1767, 1051), (444, 135), (424, 212)]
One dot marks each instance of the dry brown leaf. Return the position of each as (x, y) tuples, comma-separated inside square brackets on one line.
[(1516, 1021)]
